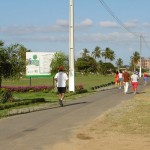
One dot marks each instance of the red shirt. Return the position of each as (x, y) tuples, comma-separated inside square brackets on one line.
[(145, 75), (126, 77)]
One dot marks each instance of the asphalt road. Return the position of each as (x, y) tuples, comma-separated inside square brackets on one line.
[(33, 131)]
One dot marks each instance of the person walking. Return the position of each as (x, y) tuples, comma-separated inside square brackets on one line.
[(116, 78), (126, 79), (61, 78), (120, 76), (145, 77), (134, 81)]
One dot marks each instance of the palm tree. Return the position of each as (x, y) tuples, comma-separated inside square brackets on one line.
[(119, 63), (97, 52), (85, 52), (1, 44), (135, 59), (108, 54)]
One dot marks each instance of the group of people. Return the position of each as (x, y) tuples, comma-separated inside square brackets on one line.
[(124, 78)]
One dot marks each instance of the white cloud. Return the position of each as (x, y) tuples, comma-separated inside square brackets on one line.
[(62, 23), (20, 30), (85, 23), (113, 37), (59, 26), (146, 24), (109, 24), (130, 24), (31, 32)]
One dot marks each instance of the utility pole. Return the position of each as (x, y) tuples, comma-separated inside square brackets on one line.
[(71, 47), (140, 73)]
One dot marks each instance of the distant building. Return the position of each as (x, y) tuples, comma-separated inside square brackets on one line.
[(145, 63)]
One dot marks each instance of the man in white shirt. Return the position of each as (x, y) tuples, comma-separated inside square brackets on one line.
[(61, 78)]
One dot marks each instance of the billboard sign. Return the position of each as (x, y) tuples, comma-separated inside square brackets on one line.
[(38, 64)]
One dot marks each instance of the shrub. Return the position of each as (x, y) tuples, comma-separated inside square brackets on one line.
[(20, 103), (79, 87), (28, 88), (6, 95), (81, 91)]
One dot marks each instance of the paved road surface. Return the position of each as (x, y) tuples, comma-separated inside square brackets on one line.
[(33, 131)]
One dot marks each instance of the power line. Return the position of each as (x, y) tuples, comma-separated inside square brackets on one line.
[(115, 17), (120, 22), (146, 43)]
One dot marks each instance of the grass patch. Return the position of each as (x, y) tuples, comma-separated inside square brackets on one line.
[(131, 117), (87, 81)]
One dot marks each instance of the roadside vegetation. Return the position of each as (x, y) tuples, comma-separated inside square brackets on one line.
[(92, 71), (17, 94), (132, 117), (125, 127)]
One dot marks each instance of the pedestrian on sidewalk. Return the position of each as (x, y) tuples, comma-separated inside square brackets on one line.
[(145, 77), (126, 80), (61, 78), (120, 76), (134, 81), (116, 78)]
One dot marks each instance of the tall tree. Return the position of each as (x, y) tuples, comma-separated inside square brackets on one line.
[(18, 54), (85, 53), (86, 64), (108, 54), (59, 59), (97, 52), (1, 44), (135, 59), (119, 63), (7, 62), (22, 52)]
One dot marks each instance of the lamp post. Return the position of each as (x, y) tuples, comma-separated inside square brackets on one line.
[(71, 47), (140, 73)]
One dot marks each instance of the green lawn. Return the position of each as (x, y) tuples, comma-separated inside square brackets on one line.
[(87, 81)]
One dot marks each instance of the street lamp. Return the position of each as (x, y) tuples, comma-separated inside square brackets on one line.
[(140, 73), (71, 48)]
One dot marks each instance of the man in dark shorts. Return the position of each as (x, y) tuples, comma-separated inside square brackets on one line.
[(61, 78)]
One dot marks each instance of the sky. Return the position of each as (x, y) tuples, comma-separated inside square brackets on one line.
[(43, 26)]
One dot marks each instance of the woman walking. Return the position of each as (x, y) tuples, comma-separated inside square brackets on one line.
[(134, 81), (116, 79), (120, 76), (145, 76)]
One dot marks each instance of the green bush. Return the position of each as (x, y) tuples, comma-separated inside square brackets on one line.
[(6, 96), (81, 91), (19, 103)]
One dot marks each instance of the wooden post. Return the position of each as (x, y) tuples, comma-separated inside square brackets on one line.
[(30, 81)]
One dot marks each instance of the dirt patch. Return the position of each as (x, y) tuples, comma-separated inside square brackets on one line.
[(124, 128)]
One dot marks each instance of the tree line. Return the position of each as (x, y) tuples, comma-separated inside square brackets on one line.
[(93, 62), (13, 61)]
